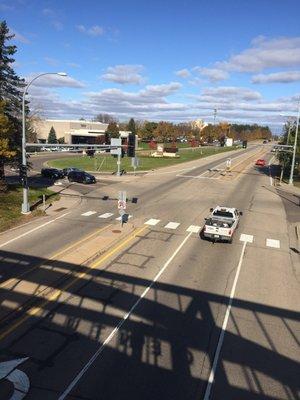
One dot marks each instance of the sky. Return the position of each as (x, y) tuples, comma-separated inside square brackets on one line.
[(173, 60)]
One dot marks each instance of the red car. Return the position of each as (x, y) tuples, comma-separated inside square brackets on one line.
[(260, 163)]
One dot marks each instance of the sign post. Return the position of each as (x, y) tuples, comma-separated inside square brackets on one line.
[(122, 207), (228, 164), (118, 152), (135, 162)]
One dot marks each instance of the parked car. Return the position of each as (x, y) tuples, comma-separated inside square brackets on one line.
[(66, 171), (260, 163), (221, 224), (81, 177), (52, 173)]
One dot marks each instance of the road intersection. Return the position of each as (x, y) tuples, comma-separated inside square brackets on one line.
[(150, 310)]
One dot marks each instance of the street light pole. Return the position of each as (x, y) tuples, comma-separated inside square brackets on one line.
[(25, 205), (295, 147)]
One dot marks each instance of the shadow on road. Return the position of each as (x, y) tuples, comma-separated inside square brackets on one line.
[(163, 351)]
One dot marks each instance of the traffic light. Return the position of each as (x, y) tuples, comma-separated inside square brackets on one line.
[(131, 145), (23, 174)]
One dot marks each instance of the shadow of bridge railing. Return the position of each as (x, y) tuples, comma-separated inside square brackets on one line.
[(164, 350)]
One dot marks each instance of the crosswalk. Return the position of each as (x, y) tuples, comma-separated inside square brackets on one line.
[(174, 225)]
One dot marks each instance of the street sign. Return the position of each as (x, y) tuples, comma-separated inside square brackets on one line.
[(116, 142), (121, 212), (122, 200), (121, 205), (228, 163)]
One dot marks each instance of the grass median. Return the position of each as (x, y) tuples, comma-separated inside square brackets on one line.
[(107, 163), (10, 205)]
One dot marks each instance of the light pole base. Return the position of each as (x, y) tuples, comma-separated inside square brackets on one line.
[(25, 209)]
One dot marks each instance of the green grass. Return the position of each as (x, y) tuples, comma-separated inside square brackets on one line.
[(10, 205), (109, 163)]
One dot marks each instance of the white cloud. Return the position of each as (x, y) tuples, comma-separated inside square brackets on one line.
[(124, 74), (52, 81), (94, 30), (225, 93), (52, 16), (183, 73), (19, 37), (6, 7), (277, 77), (265, 53), (212, 74)]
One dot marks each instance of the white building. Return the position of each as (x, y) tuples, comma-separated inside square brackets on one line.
[(73, 131)]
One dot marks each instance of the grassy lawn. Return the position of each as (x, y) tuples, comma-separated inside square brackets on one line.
[(104, 162), (10, 205)]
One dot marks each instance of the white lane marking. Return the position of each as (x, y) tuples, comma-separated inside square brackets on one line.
[(88, 213), (106, 215), (172, 172), (193, 228), (152, 221), (224, 326), (18, 378), (33, 230), (119, 218), (172, 225), (246, 238), (273, 243), (271, 179), (122, 321)]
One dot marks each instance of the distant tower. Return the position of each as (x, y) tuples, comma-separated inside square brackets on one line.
[(215, 116)]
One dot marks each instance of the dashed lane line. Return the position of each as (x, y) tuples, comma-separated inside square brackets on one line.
[(106, 215), (88, 213), (120, 324)]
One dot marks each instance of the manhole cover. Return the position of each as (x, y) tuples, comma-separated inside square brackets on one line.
[(116, 231), (61, 209)]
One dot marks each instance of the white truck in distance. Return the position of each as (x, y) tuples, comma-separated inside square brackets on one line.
[(221, 223)]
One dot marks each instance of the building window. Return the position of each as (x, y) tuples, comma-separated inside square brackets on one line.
[(83, 125)]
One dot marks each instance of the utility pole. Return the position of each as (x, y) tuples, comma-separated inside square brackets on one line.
[(215, 115), (25, 205), (295, 147)]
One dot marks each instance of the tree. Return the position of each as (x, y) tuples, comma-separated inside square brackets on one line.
[(165, 131), (61, 140), (105, 118), (11, 102), (52, 136), (6, 153), (113, 130), (146, 130), (131, 126)]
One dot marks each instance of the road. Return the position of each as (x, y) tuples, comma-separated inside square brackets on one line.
[(151, 311)]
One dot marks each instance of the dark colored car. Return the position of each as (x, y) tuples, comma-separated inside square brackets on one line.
[(66, 171), (52, 173), (81, 177)]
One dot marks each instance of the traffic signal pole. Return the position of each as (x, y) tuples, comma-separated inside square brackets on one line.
[(25, 205)]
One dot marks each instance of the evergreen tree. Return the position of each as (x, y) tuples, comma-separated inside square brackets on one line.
[(6, 154), (11, 87), (52, 136), (131, 126), (113, 130)]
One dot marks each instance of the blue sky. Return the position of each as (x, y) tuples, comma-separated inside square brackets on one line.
[(160, 60)]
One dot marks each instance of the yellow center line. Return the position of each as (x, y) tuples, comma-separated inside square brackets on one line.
[(6, 283), (36, 309)]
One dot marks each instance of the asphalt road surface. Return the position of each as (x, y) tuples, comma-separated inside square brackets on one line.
[(96, 311)]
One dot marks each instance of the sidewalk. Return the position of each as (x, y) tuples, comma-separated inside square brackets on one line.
[(69, 199)]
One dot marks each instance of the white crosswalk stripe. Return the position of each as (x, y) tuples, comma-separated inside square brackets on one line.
[(273, 243), (172, 225), (106, 215), (152, 221), (246, 238), (119, 218), (88, 213), (193, 228)]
